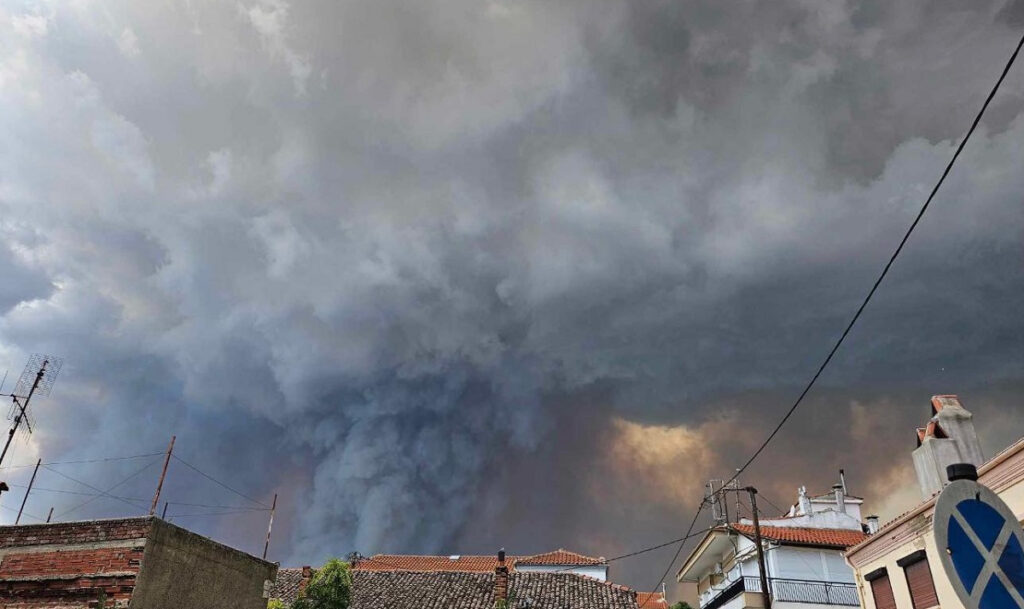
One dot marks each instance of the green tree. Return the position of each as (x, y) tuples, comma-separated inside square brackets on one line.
[(330, 588), (681, 605), (276, 603)]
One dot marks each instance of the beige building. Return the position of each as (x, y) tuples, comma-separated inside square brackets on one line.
[(898, 567)]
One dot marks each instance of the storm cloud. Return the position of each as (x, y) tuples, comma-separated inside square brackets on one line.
[(453, 275)]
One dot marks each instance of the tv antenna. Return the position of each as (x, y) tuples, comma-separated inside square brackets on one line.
[(36, 380)]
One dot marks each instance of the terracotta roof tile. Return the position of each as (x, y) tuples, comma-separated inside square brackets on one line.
[(560, 557), (399, 589), (831, 538), (568, 591), (651, 600), (287, 585)]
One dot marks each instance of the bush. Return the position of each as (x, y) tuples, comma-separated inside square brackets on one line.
[(330, 588)]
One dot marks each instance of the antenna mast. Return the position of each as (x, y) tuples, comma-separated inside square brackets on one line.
[(37, 379)]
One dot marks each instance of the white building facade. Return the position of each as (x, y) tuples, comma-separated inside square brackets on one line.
[(803, 557)]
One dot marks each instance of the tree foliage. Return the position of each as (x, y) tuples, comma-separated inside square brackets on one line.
[(681, 605), (330, 588)]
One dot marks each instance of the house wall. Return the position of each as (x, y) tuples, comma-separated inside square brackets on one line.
[(788, 562), (71, 564), (182, 569), (914, 532), (599, 572)]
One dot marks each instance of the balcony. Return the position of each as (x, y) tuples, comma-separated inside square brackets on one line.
[(791, 590)]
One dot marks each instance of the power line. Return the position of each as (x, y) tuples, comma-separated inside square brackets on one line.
[(214, 480), (103, 493), (867, 299), (80, 493), (222, 507), (675, 557), (246, 511), (83, 461), (888, 265), (24, 513)]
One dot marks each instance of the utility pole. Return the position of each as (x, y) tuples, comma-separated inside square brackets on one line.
[(273, 507), (163, 473), (765, 593), (27, 491)]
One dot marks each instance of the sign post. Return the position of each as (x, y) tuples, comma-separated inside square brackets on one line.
[(980, 543)]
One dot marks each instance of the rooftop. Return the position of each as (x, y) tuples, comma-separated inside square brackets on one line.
[(825, 538), (560, 557), (399, 589)]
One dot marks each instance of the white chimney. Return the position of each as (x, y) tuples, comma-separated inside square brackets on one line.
[(872, 524), (803, 501), (840, 498), (948, 438)]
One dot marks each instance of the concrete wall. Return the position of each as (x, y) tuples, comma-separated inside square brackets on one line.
[(182, 570)]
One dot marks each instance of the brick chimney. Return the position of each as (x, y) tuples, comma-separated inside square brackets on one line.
[(501, 581), (307, 575)]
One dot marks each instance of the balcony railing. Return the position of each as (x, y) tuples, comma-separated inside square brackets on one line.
[(792, 590)]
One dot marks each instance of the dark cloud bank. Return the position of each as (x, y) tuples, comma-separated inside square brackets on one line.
[(457, 275)]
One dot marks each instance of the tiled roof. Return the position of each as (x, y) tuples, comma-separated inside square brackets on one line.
[(651, 600), (831, 538), (462, 590), (567, 591), (560, 557), (287, 585), (413, 590), (411, 562)]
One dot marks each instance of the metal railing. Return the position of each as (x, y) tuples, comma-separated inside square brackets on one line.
[(792, 590)]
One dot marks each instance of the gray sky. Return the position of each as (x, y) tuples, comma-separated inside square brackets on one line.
[(452, 275)]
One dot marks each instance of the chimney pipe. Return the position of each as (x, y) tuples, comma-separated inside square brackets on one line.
[(501, 581), (872, 524), (840, 497), (842, 480)]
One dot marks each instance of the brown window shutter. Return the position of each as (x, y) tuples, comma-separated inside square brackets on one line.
[(881, 590), (922, 588)]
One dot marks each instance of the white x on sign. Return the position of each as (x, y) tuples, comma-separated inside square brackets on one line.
[(981, 546)]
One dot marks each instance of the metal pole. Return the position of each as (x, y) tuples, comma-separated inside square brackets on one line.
[(14, 428), (21, 414), (273, 507), (50, 515), (760, 550), (27, 491), (163, 515), (160, 484)]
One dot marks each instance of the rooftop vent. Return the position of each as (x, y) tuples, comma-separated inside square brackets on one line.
[(455, 557)]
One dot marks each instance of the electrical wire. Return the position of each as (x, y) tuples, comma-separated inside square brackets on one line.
[(214, 480), (80, 493), (23, 513), (675, 557), (103, 493), (83, 461), (885, 270), (229, 513), (221, 507)]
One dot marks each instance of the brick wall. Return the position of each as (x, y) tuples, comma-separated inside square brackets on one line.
[(71, 565)]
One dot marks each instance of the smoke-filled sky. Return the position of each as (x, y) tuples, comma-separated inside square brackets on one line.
[(452, 275)]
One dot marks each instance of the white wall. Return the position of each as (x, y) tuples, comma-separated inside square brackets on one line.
[(788, 562)]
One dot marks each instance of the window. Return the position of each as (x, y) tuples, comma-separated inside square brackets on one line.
[(881, 589), (919, 580)]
